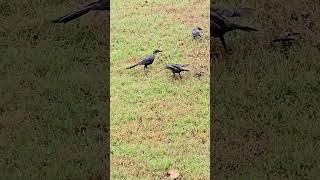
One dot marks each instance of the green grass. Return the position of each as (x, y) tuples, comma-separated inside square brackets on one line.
[(53, 85), (267, 97), (157, 122)]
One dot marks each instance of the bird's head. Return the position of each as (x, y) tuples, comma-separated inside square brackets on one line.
[(156, 51)]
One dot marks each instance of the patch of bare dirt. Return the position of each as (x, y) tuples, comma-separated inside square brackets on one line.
[(124, 163), (189, 15), (138, 131), (170, 104)]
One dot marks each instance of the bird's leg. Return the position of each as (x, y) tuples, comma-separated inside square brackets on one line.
[(180, 75), (174, 75), (145, 69), (223, 41)]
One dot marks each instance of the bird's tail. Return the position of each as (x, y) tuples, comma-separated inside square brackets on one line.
[(132, 66), (183, 67), (73, 15), (291, 36), (243, 28)]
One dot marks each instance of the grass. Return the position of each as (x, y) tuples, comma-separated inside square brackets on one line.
[(157, 122), (53, 95), (266, 97), (53, 92)]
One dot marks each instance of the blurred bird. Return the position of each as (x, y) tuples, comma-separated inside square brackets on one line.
[(220, 26), (287, 37), (148, 60), (100, 5), (233, 12), (196, 32), (177, 68)]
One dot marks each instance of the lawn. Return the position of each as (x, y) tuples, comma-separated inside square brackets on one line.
[(53, 92), (159, 122), (266, 104)]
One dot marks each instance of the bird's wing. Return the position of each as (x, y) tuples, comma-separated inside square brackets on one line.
[(224, 12), (147, 59), (195, 31), (218, 19), (173, 68), (243, 11), (180, 66)]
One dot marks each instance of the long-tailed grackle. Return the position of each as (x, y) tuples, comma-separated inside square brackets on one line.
[(220, 26), (176, 68), (100, 5), (287, 37), (147, 60)]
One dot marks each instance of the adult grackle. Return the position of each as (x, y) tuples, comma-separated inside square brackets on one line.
[(148, 60), (220, 26)]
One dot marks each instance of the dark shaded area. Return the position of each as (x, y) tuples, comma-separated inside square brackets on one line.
[(265, 95), (220, 25), (54, 118)]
